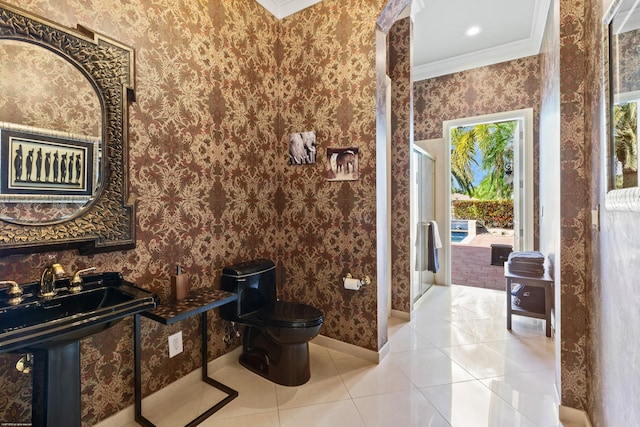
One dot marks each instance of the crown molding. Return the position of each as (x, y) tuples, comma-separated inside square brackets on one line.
[(283, 8), (494, 55), (480, 58)]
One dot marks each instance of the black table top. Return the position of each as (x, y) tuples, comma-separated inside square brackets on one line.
[(199, 300)]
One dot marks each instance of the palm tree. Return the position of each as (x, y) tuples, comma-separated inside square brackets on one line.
[(626, 142), (463, 154), (496, 144), (494, 141)]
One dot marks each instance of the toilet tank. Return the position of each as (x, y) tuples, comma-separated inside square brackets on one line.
[(254, 282)]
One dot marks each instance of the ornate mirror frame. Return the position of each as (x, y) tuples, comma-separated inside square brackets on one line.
[(107, 222), (624, 199)]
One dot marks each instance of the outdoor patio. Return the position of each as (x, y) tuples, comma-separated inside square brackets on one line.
[(471, 262)]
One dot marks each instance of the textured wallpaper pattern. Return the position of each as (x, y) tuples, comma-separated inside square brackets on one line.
[(220, 84), (625, 55), (327, 229), (575, 162), (497, 88), (400, 63), (594, 100), (202, 153), (39, 88)]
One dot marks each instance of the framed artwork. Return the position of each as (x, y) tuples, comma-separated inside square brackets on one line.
[(45, 168), (342, 164), (302, 148)]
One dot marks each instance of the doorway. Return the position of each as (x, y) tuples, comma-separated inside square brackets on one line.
[(522, 171)]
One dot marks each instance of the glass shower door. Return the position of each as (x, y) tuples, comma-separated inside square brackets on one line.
[(422, 211)]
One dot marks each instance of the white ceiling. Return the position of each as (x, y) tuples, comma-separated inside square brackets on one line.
[(510, 29), (283, 8)]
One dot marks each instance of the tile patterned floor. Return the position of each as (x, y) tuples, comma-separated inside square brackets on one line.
[(454, 364)]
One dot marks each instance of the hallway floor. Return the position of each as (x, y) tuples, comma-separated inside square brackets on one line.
[(454, 364)]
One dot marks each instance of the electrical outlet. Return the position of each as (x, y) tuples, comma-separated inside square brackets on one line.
[(595, 218), (175, 344)]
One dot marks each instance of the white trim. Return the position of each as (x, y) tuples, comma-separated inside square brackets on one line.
[(414, 8), (574, 416), (625, 200), (352, 350), (383, 209), (622, 98), (494, 55), (400, 315), (540, 14), (283, 8), (480, 58)]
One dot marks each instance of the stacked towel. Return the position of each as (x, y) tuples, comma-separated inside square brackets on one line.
[(528, 263)]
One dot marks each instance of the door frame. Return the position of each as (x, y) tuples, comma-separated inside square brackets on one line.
[(526, 160)]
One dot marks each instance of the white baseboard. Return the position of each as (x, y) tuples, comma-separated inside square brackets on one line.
[(400, 314), (351, 350), (574, 416)]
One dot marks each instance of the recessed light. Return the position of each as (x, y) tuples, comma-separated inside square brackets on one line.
[(472, 31)]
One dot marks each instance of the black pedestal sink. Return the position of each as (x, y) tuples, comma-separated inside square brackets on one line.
[(51, 328)]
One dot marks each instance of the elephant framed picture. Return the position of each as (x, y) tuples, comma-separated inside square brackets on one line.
[(342, 164), (302, 148)]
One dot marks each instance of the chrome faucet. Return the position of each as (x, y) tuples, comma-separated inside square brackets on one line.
[(76, 282), (48, 279), (14, 292)]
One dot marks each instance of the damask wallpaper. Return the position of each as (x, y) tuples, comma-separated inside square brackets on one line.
[(400, 63), (575, 159), (624, 54), (326, 56), (219, 86), (52, 95)]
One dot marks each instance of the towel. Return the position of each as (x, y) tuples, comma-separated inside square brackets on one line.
[(433, 245), (526, 263), (534, 257), (436, 235), (427, 244)]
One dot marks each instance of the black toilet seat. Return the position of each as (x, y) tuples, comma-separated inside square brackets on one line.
[(290, 315)]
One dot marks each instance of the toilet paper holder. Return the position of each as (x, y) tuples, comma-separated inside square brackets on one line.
[(364, 281)]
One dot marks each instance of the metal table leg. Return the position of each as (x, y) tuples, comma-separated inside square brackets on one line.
[(231, 393)]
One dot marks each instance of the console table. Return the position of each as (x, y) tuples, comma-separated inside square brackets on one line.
[(545, 281), (199, 301)]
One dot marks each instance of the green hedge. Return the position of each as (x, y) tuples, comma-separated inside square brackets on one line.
[(491, 213)]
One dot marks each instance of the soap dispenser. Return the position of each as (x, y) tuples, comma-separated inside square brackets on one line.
[(179, 284)]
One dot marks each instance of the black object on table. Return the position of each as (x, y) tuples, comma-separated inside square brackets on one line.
[(168, 312), (500, 253)]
